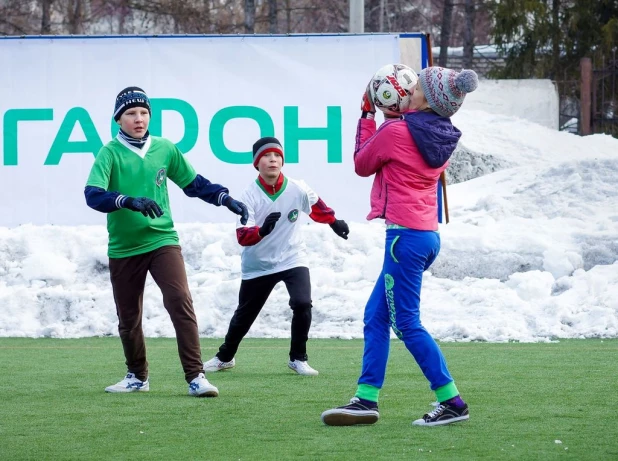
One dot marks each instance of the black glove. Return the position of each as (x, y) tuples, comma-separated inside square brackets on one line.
[(144, 205), (237, 207), (269, 224), (340, 227)]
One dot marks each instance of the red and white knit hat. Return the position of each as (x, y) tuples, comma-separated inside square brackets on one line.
[(264, 146)]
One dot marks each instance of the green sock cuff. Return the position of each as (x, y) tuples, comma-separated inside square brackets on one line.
[(367, 392), (446, 392)]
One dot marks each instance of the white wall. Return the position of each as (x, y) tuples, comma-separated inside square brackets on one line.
[(210, 73)]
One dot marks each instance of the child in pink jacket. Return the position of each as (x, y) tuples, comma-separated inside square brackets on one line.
[(406, 155)]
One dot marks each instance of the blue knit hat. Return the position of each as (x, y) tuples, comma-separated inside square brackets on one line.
[(445, 89), (132, 96)]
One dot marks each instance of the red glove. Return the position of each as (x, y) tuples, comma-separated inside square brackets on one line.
[(367, 103)]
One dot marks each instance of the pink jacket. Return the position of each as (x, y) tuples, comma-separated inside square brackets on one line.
[(404, 190)]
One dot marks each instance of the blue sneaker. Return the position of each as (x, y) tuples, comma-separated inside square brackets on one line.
[(129, 384)]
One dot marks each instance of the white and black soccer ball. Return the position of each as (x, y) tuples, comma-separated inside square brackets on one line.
[(391, 88)]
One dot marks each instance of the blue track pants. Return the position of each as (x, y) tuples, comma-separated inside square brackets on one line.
[(395, 303)]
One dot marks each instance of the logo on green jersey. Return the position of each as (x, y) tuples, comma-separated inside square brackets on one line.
[(293, 215), (160, 177)]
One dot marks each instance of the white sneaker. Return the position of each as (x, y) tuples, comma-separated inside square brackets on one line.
[(129, 384), (302, 368), (215, 364), (200, 387)]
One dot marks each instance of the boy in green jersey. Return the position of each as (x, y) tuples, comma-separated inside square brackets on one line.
[(128, 181)]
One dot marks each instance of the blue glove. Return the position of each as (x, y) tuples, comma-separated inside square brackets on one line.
[(144, 205), (238, 208)]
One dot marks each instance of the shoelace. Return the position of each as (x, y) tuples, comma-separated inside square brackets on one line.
[(128, 381), (436, 411)]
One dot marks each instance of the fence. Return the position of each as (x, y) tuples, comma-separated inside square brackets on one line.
[(590, 105), (484, 60), (605, 98)]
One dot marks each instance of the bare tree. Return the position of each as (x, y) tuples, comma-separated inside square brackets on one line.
[(21, 17), (468, 33), (445, 33), (288, 16), (74, 16), (46, 16), (123, 14), (273, 27), (15, 18), (321, 15), (249, 16)]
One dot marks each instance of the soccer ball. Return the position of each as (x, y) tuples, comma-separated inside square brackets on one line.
[(391, 88)]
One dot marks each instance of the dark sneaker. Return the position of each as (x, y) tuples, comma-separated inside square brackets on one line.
[(443, 414), (351, 414)]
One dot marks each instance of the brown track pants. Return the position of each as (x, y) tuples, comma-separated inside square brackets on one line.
[(128, 277)]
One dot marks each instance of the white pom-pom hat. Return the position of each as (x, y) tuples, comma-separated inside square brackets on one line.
[(445, 89)]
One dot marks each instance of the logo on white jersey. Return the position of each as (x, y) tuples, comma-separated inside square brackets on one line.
[(293, 215)]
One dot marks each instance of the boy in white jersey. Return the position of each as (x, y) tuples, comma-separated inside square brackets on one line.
[(128, 181), (274, 252)]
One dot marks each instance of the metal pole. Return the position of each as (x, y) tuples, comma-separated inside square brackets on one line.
[(443, 174), (357, 16), (585, 97)]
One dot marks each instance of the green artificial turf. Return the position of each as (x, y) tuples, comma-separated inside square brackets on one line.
[(527, 402)]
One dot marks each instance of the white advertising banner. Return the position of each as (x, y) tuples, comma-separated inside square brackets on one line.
[(213, 96)]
